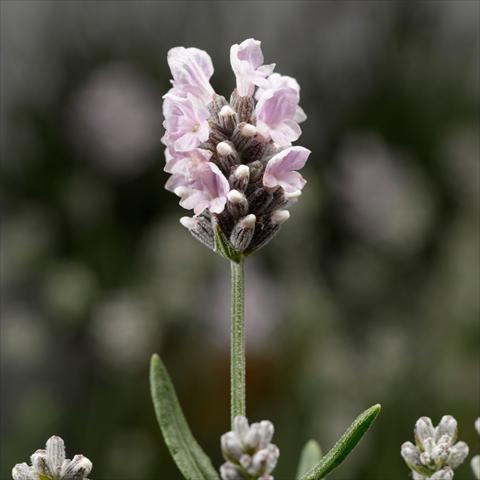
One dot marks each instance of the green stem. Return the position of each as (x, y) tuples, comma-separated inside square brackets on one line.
[(237, 345)]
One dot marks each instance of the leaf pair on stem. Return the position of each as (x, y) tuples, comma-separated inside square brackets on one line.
[(196, 465)]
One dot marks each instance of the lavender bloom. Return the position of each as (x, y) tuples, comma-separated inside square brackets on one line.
[(276, 110), (232, 163), (435, 454), (276, 81), (191, 69), (248, 451), (51, 464), (247, 64)]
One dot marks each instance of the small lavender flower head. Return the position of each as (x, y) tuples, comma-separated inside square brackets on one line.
[(475, 462), (435, 454), (248, 452), (232, 162), (51, 464)]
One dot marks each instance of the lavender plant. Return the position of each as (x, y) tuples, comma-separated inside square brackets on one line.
[(232, 162)]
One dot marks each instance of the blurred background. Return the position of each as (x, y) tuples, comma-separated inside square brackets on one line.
[(369, 294)]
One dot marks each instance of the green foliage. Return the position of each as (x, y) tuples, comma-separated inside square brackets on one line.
[(310, 456), (344, 445), (187, 454)]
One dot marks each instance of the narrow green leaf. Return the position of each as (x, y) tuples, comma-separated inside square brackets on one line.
[(310, 456), (223, 246), (344, 445), (187, 454)]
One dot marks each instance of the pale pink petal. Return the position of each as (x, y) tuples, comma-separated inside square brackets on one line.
[(285, 133), (186, 122), (281, 169), (191, 69), (275, 111), (300, 115), (247, 63)]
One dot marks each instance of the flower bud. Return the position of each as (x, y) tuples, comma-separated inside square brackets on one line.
[(447, 426), (239, 178), (443, 474), (258, 456), (227, 118), (457, 454), (227, 155), (280, 216), (237, 204), (424, 429), (79, 467), (242, 233)]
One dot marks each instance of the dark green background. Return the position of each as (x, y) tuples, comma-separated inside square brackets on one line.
[(369, 294)]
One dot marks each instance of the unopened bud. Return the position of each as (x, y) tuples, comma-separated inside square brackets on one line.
[(280, 216), (443, 474), (188, 222), (227, 156), (448, 426), (239, 178), (248, 130), (410, 453), (248, 221), (224, 149), (237, 204), (457, 454), (79, 467), (227, 118), (242, 233), (228, 471)]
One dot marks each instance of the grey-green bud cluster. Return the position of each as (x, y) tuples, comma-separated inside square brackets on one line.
[(248, 452), (51, 464), (475, 462), (253, 213), (435, 454)]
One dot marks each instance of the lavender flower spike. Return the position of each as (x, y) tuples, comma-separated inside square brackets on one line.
[(435, 454), (51, 464), (248, 452), (232, 163)]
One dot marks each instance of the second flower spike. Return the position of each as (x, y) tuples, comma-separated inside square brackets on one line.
[(248, 452)]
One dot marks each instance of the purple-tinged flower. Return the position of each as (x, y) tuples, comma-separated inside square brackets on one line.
[(185, 122), (276, 81), (247, 64), (276, 111), (191, 69), (202, 186), (282, 169), (224, 156)]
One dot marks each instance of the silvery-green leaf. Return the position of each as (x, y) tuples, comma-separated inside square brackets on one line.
[(187, 454), (310, 456), (344, 445)]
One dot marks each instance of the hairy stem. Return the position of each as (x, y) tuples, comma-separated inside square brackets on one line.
[(237, 345)]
